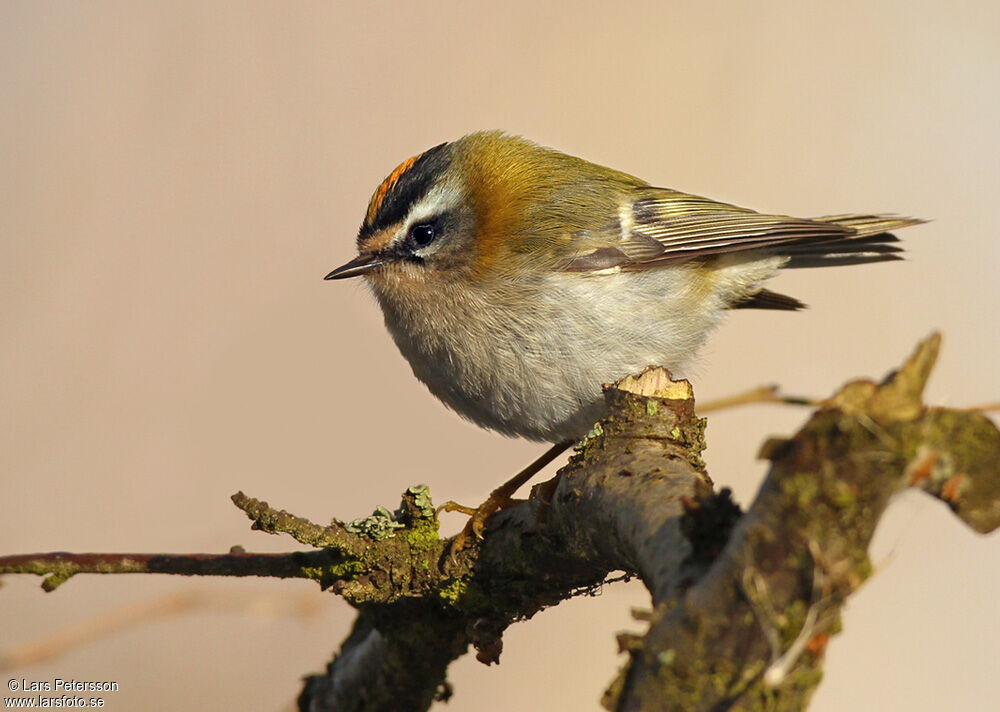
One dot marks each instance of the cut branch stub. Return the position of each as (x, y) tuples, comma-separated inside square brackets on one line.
[(744, 605), (899, 397), (750, 633), (622, 497), (619, 504)]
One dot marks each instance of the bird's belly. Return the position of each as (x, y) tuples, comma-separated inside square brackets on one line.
[(537, 371)]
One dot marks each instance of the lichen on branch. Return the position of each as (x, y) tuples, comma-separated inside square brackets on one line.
[(743, 603)]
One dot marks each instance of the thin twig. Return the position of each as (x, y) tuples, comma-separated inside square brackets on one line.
[(761, 394), (58, 567), (95, 628), (984, 408), (142, 613)]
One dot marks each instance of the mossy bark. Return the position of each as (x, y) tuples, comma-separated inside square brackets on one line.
[(743, 603)]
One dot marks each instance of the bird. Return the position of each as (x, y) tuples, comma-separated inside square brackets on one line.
[(517, 280)]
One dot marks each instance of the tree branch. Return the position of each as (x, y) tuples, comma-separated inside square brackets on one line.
[(743, 604), (751, 632), (58, 567)]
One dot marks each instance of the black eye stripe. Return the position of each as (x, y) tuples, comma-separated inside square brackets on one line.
[(411, 186)]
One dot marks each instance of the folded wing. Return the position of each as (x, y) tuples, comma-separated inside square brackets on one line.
[(659, 227)]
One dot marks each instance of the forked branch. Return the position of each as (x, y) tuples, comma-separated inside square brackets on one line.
[(743, 603)]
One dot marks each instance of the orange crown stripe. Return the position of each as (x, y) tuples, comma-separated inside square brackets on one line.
[(382, 190)]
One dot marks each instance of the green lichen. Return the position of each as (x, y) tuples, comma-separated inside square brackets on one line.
[(611, 696), (843, 495), (316, 573), (636, 408), (423, 535), (790, 622), (863, 569), (685, 681), (345, 570), (453, 591), (59, 572), (595, 432), (422, 500), (380, 525), (466, 595), (801, 489), (53, 581)]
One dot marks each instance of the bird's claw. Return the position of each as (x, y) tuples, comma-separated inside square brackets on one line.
[(451, 506), (474, 528)]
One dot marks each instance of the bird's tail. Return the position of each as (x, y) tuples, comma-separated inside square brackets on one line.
[(870, 242)]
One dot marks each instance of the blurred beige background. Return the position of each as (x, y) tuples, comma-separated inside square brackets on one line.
[(178, 177)]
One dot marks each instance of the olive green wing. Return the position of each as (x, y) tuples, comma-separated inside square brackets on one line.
[(658, 227)]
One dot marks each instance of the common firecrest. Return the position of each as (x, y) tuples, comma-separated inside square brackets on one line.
[(516, 280)]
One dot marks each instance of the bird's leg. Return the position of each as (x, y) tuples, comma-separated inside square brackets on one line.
[(500, 498)]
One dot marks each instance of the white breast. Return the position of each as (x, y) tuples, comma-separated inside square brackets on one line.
[(529, 359)]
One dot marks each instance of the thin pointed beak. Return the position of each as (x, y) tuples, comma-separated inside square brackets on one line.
[(361, 264)]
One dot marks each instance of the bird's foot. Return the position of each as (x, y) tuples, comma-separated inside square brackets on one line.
[(500, 498), (473, 529)]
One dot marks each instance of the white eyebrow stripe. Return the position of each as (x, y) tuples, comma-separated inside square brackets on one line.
[(439, 200)]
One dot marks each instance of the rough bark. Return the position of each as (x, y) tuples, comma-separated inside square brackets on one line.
[(743, 604), (742, 613), (750, 633)]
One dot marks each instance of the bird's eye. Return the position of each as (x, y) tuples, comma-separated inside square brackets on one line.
[(423, 234)]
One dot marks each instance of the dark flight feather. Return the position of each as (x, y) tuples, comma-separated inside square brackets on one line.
[(766, 299), (668, 227)]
